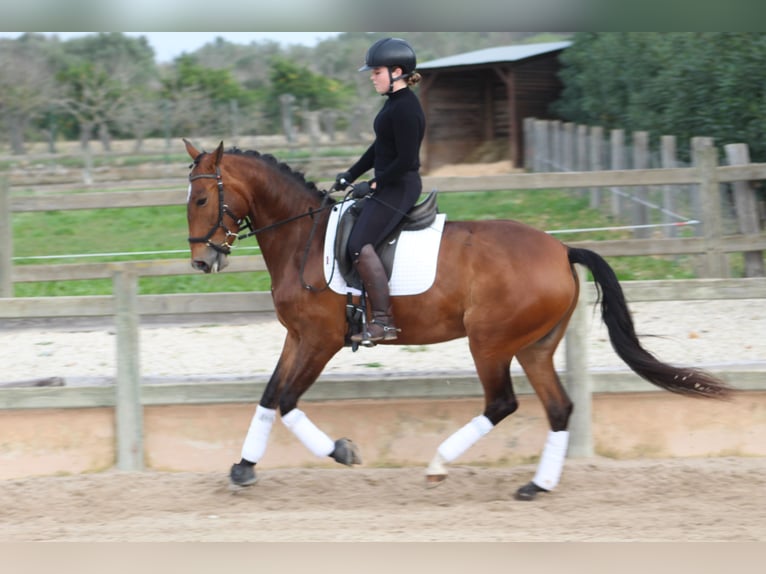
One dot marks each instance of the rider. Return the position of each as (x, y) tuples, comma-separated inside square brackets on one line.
[(395, 158)]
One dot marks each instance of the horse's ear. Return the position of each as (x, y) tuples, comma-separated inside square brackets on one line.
[(218, 154), (190, 149)]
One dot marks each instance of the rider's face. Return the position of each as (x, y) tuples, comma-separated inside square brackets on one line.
[(381, 78)]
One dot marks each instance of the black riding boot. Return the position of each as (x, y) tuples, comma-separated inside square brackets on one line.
[(381, 326)]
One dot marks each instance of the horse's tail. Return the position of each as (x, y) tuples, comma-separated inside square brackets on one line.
[(616, 316)]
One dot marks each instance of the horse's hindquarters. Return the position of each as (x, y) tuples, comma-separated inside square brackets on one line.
[(496, 280)]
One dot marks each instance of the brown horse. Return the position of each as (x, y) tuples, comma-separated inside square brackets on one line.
[(509, 288)]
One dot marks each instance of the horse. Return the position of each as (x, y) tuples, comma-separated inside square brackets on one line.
[(506, 286)]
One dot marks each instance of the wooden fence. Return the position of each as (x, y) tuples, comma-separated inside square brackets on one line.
[(552, 145), (126, 305), (129, 395), (712, 244)]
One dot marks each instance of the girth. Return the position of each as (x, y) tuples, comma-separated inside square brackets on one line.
[(419, 217)]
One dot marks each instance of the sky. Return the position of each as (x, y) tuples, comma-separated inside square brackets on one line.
[(169, 45)]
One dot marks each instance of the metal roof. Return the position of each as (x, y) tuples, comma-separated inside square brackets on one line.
[(493, 55)]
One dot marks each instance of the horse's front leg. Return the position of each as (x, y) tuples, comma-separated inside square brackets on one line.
[(299, 366)]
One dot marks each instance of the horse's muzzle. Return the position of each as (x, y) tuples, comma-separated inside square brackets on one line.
[(211, 261)]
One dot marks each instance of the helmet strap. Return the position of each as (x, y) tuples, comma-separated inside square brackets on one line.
[(391, 79)]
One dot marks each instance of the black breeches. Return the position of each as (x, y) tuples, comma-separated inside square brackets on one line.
[(383, 212)]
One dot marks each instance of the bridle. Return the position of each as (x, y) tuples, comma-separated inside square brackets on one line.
[(223, 209), (247, 224)]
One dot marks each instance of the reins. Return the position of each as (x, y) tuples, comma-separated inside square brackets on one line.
[(247, 224)]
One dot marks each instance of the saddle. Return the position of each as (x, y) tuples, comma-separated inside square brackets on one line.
[(419, 217)]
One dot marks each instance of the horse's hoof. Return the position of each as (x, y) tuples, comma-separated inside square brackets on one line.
[(242, 474), (528, 491), (346, 452), (434, 480)]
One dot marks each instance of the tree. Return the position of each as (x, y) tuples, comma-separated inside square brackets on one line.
[(201, 97), (142, 114), (718, 83), (99, 75), (26, 85), (248, 64), (111, 83), (313, 92), (686, 83)]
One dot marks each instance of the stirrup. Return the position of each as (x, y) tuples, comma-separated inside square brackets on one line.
[(390, 332), (368, 339)]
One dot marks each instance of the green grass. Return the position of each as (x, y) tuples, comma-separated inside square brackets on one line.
[(165, 228)]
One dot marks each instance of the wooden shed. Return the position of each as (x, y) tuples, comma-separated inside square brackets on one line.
[(478, 101)]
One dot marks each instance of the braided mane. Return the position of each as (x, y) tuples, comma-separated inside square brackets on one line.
[(283, 168)]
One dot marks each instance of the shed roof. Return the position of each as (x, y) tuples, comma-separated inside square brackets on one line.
[(497, 54)]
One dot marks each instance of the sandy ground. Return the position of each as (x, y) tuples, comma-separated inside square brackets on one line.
[(717, 499)]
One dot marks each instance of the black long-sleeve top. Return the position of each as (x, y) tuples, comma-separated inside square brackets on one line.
[(399, 129)]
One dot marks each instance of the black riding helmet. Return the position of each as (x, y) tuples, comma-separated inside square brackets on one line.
[(390, 52)]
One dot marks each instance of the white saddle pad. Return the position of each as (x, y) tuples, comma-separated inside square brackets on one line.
[(414, 264)]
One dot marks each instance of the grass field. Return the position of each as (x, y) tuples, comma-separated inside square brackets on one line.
[(165, 229)]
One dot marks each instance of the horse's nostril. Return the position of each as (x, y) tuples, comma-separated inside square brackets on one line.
[(201, 265)]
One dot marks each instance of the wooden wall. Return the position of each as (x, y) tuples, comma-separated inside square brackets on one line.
[(473, 106)]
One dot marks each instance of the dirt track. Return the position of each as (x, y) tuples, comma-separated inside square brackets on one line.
[(716, 499)]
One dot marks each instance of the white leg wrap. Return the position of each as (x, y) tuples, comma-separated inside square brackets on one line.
[(464, 438), (258, 434), (552, 461), (307, 432)]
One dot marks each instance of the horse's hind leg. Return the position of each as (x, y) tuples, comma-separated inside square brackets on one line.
[(500, 402), (537, 362)]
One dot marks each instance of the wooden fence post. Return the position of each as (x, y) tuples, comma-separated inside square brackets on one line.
[(639, 210), (582, 149), (578, 382), (128, 409), (529, 144), (746, 206), (698, 142), (596, 162), (568, 143), (539, 146), (556, 145), (6, 240), (542, 146), (706, 161), (668, 159), (581, 153), (617, 142)]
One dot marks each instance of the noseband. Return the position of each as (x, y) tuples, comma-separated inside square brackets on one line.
[(223, 209)]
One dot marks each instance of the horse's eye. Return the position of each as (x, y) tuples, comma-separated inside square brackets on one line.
[(201, 201)]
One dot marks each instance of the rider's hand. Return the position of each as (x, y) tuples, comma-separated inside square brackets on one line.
[(361, 189), (342, 180)]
